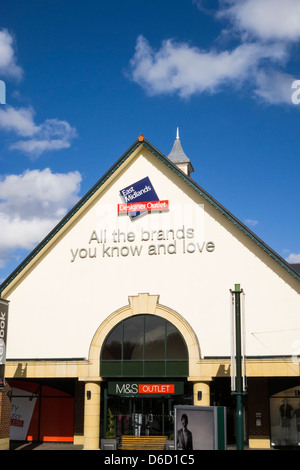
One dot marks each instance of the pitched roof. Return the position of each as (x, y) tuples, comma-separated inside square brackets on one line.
[(296, 267), (170, 164)]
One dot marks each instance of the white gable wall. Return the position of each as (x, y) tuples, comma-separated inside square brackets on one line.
[(57, 308)]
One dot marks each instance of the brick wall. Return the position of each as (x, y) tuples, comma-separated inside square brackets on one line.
[(79, 409), (4, 413), (258, 403)]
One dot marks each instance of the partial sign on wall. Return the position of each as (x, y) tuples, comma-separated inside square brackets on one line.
[(3, 339)]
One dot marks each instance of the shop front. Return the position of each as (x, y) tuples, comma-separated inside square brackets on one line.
[(145, 362), (285, 418), (142, 408), (147, 356)]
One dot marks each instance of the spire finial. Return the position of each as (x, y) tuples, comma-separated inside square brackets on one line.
[(177, 135)]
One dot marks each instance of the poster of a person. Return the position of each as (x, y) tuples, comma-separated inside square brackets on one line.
[(195, 428), (184, 435)]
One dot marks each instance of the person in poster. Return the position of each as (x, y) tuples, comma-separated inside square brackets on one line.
[(184, 435)]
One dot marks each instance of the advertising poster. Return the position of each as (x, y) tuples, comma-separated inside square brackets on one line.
[(196, 428), (140, 191), (22, 409)]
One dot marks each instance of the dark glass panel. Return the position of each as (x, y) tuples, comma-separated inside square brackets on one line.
[(111, 369), (177, 368), (133, 338), (155, 336), (144, 345), (155, 369), (112, 349), (176, 348), (133, 369)]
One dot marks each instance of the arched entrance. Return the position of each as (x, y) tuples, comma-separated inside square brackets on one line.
[(143, 359)]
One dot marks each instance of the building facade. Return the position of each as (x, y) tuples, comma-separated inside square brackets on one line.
[(124, 311)]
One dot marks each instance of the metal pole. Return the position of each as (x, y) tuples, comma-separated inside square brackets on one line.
[(239, 383)]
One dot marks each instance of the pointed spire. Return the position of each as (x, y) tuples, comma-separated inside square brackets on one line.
[(178, 156)]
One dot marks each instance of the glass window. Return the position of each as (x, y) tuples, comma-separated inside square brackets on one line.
[(154, 337), (144, 345), (285, 418), (133, 338), (112, 349), (176, 348)]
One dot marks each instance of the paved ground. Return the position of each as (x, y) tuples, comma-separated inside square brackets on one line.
[(64, 446), (43, 446)]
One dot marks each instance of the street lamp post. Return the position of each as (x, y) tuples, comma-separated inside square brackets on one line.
[(237, 369)]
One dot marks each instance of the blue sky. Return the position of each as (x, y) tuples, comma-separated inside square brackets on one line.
[(84, 79)]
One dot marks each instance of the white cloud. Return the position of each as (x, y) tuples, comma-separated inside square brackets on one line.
[(274, 87), (264, 30), (19, 121), (251, 222), (182, 69), (8, 65), (52, 134), (31, 204), (265, 19), (293, 258)]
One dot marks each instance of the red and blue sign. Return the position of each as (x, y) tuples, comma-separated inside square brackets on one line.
[(140, 197)]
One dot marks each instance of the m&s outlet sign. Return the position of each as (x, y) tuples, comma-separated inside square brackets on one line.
[(145, 388)]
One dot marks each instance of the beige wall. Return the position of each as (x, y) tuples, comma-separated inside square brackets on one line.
[(200, 369), (65, 292)]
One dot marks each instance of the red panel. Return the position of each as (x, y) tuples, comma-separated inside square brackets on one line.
[(33, 430), (57, 419), (56, 416), (52, 417)]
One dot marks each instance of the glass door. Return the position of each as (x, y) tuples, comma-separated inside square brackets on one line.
[(142, 416), (147, 417)]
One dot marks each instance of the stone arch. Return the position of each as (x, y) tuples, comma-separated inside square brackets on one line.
[(144, 304)]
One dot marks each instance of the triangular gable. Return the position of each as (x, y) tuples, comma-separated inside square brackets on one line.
[(134, 147)]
